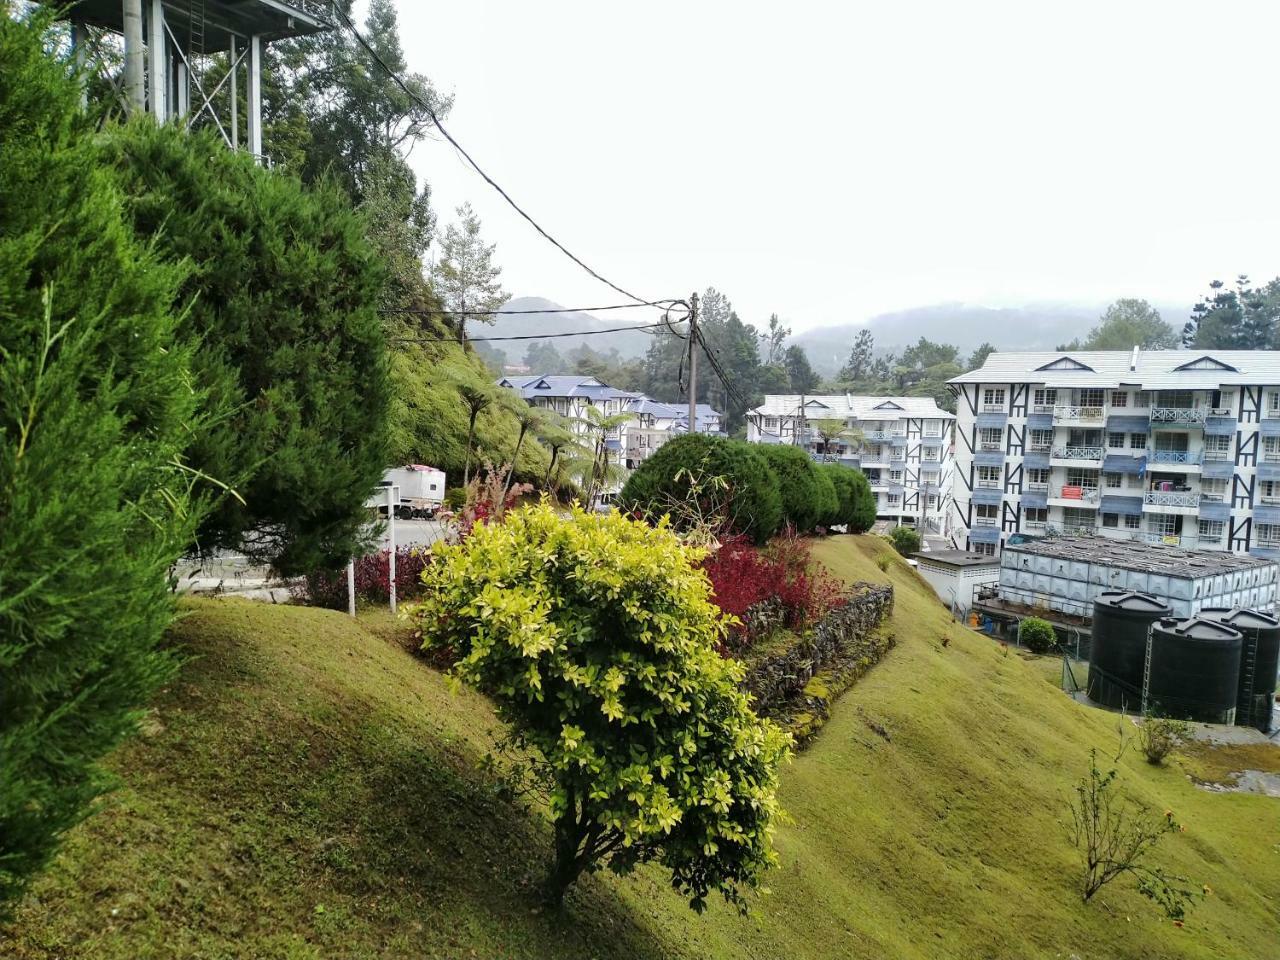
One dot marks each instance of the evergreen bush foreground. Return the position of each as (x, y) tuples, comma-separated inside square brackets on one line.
[(596, 638), (95, 410)]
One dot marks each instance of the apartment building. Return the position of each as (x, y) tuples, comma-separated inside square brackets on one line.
[(1167, 446), (651, 423), (902, 444)]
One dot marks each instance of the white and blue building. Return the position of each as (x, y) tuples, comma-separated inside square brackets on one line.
[(1175, 447)]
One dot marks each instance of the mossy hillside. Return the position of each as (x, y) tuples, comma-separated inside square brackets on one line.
[(310, 789)]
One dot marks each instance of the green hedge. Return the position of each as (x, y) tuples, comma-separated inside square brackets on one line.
[(803, 501), (755, 503), (856, 510)]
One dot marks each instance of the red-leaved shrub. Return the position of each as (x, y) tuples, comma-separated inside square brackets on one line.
[(328, 588), (743, 576)]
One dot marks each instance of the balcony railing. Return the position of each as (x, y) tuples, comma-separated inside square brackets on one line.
[(991, 446), (1221, 412), (1042, 408), (1079, 529), (993, 408), (1069, 411), (1038, 487), (990, 485), (1171, 498), (1175, 456), (1271, 501), (1083, 494), (1078, 453), (1269, 541), (1187, 415), (1220, 455), (1156, 536), (879, 434), (1039, 447), (1034, 526), (1271, 413)]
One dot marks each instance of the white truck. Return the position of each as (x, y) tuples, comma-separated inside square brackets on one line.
[(421, 491)]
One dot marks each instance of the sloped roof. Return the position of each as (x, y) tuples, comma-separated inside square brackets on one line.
[(1147, 369), (562, 385), (842, 406)]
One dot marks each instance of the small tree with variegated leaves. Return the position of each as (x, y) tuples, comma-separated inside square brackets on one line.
[(596, 637)]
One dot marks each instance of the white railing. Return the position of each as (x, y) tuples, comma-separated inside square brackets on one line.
[(1174, 456), (1271, 413), (1070, 411), (990, 485), (1079, 529), (1155, 536), (1038, 487), (931, 456), (1273, 501), (1171, 498), (878, 434), (993, 408), (1221, 412), (1188, 415), (1078, 453), (1269, 542)]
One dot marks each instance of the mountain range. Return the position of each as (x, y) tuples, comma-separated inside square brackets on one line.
[(1036, 326)]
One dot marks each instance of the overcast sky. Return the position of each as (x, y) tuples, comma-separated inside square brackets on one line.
[(830, 161)]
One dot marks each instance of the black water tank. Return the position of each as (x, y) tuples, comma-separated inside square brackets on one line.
[(1259, 661), (1195, 670), (1118, 650)]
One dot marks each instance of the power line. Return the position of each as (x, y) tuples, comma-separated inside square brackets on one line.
[(542, 336), (421, 101), (426, 312)]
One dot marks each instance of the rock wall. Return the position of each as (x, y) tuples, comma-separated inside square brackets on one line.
[(847, 635)]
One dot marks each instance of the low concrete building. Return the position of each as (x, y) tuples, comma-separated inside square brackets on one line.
[(955, 575)]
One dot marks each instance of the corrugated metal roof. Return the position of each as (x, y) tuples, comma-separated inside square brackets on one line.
[(842, 406), (1154, 369), (1137, 555)]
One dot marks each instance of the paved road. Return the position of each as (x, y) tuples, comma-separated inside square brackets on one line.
[(419, 533)]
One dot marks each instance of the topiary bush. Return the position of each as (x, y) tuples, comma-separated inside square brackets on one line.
[(845, 482), (596, 638), (281, 300), (750, 500), (802, 500), (828, 499), (864, 503), (95, 408), (906, 540), (1037, 635)]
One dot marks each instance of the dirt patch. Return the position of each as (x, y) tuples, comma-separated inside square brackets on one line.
[(1240, 767)]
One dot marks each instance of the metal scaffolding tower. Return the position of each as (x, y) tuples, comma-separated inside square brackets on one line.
[(176, 45)]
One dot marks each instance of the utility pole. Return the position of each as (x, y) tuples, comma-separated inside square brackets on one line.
[(693, 363)]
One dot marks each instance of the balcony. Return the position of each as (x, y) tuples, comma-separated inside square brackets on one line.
[(1171, 498), (1078, 453), (1077, 494), (1181, 457), (993, 408), (1191, 416), (1037, 487), (1072, 413), (985, 521)]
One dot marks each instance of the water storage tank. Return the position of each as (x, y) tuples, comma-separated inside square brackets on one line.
[(1119, 648), (1195, 670), (1259, 661)]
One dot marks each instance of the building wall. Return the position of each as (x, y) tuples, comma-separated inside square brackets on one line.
[(1228, 475), (955, 585)]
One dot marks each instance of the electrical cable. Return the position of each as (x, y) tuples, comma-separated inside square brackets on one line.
[(667, 304), (421, 101), (539, 336)]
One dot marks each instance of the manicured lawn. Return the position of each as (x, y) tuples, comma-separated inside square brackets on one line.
[(309, 789)]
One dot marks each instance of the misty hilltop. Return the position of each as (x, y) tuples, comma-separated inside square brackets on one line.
[(967, 326)]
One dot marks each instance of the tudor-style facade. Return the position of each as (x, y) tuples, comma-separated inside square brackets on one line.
[(905, 448), (1168, 446)]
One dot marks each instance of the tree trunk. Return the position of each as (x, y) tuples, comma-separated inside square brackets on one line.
[(466, 463), (555, 452), (511, 470)]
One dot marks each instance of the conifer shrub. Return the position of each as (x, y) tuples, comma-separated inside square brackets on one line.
[(829, 514), (749, 495), (95, 405), (597, 639), (906, 540), (802, 495), (864, 503), (281, 305)]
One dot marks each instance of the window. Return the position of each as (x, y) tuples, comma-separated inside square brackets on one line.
[(989, 476), (1214, 489), (1035, 514), (1142, 398), (1172, 442), (1115, 441), (895, 476), (1119, 398), (1269, 490), (1271, 448), (1044, 397), (771, 423), (986, 549), (930, 478), (993, 397), (1038, 476), (931, 453), (893, 500), (1163, 524), (1269, 533), (1041, 439), (1137, 441), (991, 438), (1113, 480), (986, 511), (1132, 523), (1218, 448), (933, 501), (1080, 477), (1091, 397), (1111, 520), (1212, 529)]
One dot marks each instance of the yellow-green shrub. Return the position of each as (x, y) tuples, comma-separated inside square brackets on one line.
[(597, 638)]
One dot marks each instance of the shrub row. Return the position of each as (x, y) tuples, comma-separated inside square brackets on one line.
[(753, 490), (328, 588)]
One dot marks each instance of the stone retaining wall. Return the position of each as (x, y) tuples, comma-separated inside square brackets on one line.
[(847, 633)]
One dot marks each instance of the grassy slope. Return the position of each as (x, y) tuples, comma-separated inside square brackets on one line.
[(309, 790)]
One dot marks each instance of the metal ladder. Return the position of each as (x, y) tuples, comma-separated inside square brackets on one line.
[(1248, 665), (195, 28), (1146, 671)]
